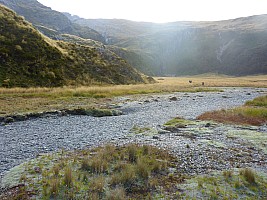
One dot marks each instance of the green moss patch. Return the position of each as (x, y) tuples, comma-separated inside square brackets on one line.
[(147, 131), (178, 123), (232, 184), (257, 139)]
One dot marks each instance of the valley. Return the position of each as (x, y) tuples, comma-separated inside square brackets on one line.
[(119, 109)]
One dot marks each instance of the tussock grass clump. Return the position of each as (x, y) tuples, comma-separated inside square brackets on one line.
[(68, 178), (54, 187), (228, 174), (116, 194), (249, 175), (127, 172)]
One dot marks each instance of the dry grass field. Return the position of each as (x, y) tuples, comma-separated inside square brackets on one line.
[(23, 100)]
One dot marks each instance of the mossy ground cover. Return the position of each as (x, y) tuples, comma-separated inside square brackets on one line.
[(253, 138), (110, 172), (230, 184)]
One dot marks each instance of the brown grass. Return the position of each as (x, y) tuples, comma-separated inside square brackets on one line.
[(229, 116), (23, 100), (249, 175)]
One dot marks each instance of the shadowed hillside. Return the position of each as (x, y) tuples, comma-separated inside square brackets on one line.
[(30, 59), (233, 47), (47, 20)]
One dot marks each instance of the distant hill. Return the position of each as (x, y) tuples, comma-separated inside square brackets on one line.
[(47, 20), (27, 58), (232, 47)]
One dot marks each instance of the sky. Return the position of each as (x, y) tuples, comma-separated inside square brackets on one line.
[(160, 11)]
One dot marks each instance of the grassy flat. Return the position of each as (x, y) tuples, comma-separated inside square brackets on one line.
[(23, 100)]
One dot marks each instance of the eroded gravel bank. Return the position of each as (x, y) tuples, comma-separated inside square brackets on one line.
[(24, 140)]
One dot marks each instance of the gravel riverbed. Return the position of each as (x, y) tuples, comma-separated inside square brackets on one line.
[(24, 140)]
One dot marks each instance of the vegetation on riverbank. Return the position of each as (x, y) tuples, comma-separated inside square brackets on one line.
[(24, 100), (126, 172), (252, 113), (231, 184), (109, 172)]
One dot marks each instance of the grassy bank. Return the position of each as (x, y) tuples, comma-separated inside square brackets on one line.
[(252, 113), (129, 172), (21, 100)]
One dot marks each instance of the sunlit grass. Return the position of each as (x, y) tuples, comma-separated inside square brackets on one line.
[(254, 113), (259, 101), (21, 100)]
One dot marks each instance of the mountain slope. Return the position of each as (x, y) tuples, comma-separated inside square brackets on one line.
[(42, 16), (233, 47), (27, 58)]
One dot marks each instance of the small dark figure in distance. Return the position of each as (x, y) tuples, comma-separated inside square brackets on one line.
[(190, 81), (203, 83)]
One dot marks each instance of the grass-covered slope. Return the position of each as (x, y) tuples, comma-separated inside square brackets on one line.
[(30, 59), (42, 16)]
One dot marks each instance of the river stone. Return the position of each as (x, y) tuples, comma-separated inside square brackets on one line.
[(173, 98), (9, 120)]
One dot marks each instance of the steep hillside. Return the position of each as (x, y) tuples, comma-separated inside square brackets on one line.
[(42, 16), (233, 47), (27, 58)]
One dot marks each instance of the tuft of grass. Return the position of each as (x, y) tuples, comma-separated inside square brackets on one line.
[(249, 175), (116, 194), (97, 184), (68, 179), (85, 164), (143, 169), (54, 188), (228, 174), (132, 153)]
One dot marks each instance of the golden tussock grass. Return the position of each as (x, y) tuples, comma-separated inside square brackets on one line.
[(21, 100)]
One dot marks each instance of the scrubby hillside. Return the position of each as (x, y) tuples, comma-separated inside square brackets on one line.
[(46, 19), (233, 47), (30, 59)]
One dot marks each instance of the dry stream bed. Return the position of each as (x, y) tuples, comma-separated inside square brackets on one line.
[(201, 147)]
